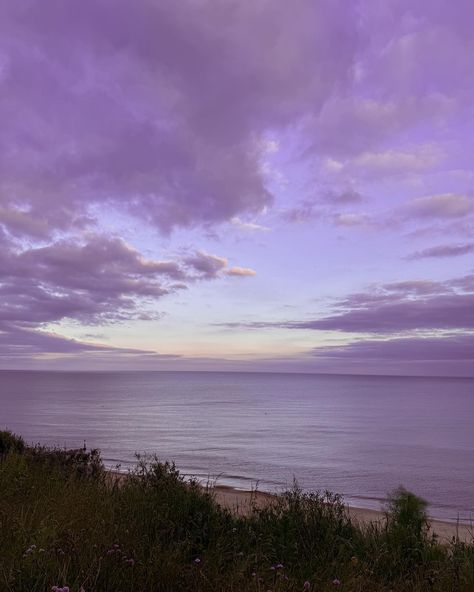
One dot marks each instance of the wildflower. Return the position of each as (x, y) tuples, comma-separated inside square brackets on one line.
[(336, 582), (31, 549), (197, 561), (130, 562), (306, 586), (279, 566), (254, 574)]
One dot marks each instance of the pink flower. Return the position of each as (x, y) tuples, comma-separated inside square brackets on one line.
[(197, 560), (306, 586), (336, 582)]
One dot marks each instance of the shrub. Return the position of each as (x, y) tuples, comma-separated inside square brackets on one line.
[(10, 442)]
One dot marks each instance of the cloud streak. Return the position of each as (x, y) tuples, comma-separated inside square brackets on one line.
[(442, 251), (394, 308)]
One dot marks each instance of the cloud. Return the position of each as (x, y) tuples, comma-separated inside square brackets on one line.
[(436, 312), (347, 196), (94, 281), (393, 308), (322, 207), (445, 206), (396, 162), (249, 226), (158, 109), (168, 110), (441, 251), (413, 288), (241, 271), (19, 342), (409, 349), (208, 266), (98, 279), (351, 219)]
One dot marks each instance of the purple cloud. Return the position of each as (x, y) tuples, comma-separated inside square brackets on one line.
[(156, 108), (19, 342), (97, 281), (451, 347), (206, 265), (443, 251), (396, 307), (448, 205)]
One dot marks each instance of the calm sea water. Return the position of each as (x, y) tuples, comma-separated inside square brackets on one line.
[(358, 435)]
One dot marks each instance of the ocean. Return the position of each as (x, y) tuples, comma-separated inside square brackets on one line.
[(361, 436)]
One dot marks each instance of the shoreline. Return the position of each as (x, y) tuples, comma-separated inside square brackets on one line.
[(241, 501)]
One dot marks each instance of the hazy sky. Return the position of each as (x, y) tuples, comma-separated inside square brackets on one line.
[(237, 184)]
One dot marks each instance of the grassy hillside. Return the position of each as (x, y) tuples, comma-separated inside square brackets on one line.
[(65, 524)]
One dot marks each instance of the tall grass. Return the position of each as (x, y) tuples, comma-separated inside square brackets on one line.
[(66, 523)]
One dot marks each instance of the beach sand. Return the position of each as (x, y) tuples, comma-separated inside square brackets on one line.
[(241, 502)]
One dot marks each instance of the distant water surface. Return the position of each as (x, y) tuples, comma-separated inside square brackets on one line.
[(357, 435)]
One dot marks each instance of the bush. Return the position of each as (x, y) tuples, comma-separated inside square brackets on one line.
[(10, 443), (407, 514)]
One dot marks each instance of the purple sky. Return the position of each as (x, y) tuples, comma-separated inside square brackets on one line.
[(237, 185)]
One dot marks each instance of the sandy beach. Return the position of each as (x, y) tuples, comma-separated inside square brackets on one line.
[(241, 501)]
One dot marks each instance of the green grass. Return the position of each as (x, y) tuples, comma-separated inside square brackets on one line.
[(63, 523)]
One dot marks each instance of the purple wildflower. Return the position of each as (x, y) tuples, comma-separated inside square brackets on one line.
[(306, 586), (336, 582)]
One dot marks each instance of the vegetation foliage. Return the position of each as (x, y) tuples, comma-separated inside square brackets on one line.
[(66, 524)]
